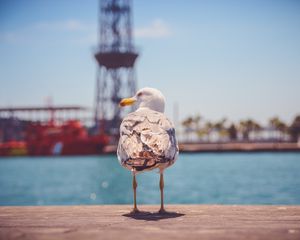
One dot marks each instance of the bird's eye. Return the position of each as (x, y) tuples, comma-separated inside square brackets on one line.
[(140, 94)]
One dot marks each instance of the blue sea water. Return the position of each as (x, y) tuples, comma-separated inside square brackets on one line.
[(221, 178)]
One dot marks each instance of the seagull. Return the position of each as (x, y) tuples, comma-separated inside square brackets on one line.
[(147, 138)]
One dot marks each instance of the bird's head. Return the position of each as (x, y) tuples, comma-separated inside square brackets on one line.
[(146, 98)]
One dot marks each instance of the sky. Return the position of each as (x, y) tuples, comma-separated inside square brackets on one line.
[(234, 59)]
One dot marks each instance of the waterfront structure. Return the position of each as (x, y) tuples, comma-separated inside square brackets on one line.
[(116, 57), (14, 120)]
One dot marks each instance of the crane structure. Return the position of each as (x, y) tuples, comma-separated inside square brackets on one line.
[(116, 57)]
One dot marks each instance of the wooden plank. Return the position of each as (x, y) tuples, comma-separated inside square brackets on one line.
[(186, 222)]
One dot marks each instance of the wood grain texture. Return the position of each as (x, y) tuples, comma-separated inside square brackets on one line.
[(185, 222)]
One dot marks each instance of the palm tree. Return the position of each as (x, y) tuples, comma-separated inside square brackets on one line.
[(232, 132), (208, 128), (255, 128), (242, 128), (278, 125), (247, 126), (196, 122), (220, 128), (187, 124), (294, 129), (192, 125)]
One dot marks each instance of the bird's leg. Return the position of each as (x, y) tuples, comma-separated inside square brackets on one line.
[(161, 186), (134, 186)]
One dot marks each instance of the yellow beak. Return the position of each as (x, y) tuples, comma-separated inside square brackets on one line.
[(127, 101)]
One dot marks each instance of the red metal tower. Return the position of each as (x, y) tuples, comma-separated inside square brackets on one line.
[(116, 56)]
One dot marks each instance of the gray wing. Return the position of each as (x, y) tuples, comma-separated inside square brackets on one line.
[(147, 140)]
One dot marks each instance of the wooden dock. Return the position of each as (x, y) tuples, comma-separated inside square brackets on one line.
[(184, 222)]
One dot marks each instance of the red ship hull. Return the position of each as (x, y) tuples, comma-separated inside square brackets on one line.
[(70, 138)]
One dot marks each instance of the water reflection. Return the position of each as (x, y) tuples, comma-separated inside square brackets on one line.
[(256, 178)]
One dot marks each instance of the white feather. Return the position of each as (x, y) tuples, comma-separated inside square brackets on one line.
[(147, 137)]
